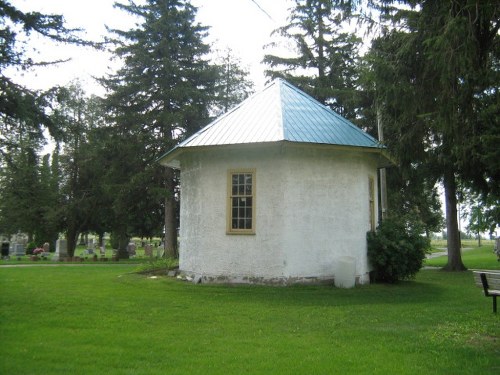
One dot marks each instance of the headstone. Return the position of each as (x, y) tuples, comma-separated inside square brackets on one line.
[(5, 250), (20, 238), (160, 252), (46, 250), (131, 249), (61, 250), (102, 248), (148, 250), (90, 246), (17, 250)]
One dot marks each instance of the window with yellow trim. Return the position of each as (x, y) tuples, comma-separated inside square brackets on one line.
[(371, 192), (241, 202)]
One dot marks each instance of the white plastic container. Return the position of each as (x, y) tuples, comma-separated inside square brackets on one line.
[(345, 272)]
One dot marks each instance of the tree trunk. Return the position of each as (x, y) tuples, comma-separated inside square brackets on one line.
[(121, 240), (71, 239), (170, 244), (453, 234)]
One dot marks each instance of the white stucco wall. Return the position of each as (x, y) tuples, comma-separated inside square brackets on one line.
[(312, 206)]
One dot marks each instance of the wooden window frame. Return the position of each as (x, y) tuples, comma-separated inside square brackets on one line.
[(371, 194), (230, 196)]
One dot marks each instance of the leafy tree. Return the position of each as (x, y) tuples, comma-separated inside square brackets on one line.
[(80, 184), (482, 217), (162, 93), (326, 57)]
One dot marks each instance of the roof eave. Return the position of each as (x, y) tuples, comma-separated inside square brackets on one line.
[(171, 158)]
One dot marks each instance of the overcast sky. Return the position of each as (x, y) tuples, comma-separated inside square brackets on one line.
[(238, 24)]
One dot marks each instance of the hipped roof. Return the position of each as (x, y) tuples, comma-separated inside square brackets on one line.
[(280, 112)]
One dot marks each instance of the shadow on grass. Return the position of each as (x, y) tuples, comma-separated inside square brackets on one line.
[(405, 292)]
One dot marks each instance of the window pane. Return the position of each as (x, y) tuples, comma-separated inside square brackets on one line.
[(248, 223), (241, 201)]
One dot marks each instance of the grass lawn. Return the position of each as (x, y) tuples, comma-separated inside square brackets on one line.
[(476, 258), (105, 320)]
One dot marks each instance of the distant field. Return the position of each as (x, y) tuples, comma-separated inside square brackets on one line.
[(473, 258), (465, 243)]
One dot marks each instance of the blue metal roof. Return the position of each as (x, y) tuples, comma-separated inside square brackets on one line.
[(280, 112)]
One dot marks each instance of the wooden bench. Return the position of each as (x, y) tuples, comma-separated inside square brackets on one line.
[(490, 282)]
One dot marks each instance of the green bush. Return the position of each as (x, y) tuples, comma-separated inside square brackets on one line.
[(396, 251), (30, 247)]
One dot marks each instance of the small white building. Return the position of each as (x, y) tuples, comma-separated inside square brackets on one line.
[(278, 190)]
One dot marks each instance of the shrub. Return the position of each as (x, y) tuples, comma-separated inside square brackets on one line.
[(30, 247), (396, 251)]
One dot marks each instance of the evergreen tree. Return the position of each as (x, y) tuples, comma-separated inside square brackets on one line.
[(326, 57), (20, 106), (20, 191), (49, 223), (162, 93), (437, 84), (233, 85)]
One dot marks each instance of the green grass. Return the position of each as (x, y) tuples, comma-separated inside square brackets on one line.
[(478, 258), (106, 320)]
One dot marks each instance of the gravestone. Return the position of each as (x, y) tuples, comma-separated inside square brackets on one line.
[(102, 248), (90, 246), (160, 252), (17, 250), (46, 249), (131, 249), (61, 250), (5, 250), (148, 250)]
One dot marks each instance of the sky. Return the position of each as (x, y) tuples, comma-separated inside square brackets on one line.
[(242, 25)]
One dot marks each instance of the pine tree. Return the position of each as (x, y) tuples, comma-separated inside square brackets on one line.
[(233, 85), (437, 81), (162, 93), (20, 106), (326, 57)]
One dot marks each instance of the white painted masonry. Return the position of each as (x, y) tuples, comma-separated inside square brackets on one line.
[(312, 207)]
